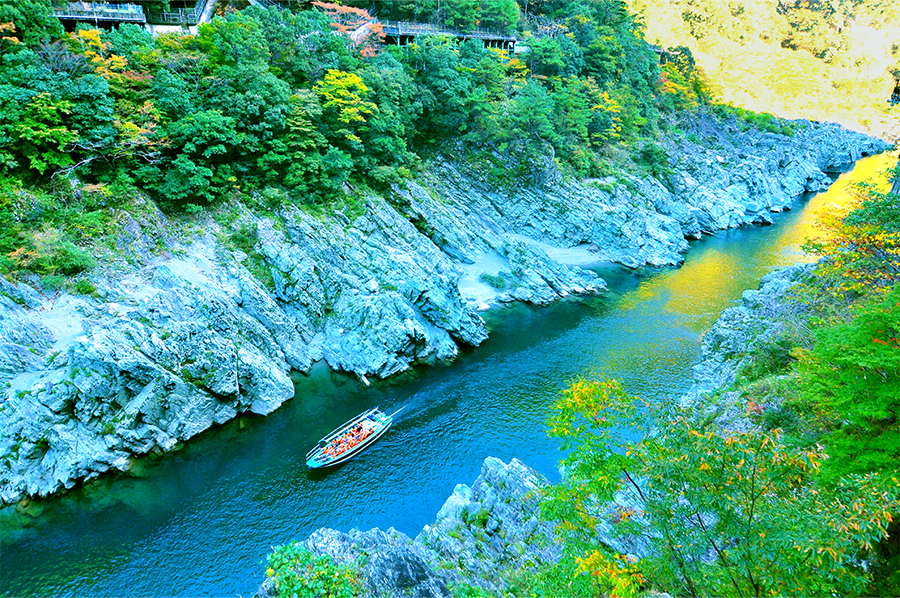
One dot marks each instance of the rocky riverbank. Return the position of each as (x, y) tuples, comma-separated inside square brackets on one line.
[(186, 333), (731, 344), (483, 535)]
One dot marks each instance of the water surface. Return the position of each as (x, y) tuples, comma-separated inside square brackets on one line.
[(200, 521)]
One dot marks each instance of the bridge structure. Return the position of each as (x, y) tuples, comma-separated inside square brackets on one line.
[(95, 12), (103, 12), (401, 33)]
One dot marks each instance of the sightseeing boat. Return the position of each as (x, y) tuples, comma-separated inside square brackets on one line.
[(350, 439)]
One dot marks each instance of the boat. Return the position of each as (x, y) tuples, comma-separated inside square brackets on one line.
[(350, 439)]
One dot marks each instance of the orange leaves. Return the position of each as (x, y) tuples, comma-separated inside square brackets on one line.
[(8, 33), (620, 571), (363, 30)]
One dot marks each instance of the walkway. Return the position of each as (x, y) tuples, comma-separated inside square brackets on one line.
[(94, 12), (402, 32)]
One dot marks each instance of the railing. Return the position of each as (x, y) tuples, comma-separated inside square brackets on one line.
[(271, 4), (89, 11), (397, 28), (182, 16)]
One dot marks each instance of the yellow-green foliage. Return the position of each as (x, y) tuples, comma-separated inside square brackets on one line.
[(727, 513), (300, 574), (811, 59)]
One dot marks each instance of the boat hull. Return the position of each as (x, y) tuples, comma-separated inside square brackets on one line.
[(346, 456), (374, 420)]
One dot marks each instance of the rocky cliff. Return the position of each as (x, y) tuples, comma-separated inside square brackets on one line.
[(758, 321), (183, 338), (482, 535)]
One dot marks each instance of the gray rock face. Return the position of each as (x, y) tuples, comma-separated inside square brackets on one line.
[(481, 534), (728, 345), (105, 381), (189, 339)]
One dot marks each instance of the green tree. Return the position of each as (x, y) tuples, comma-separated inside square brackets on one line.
[(344, 104), (198, 166), (445, 88), (42, 134), (304, 145), (530, 113), (727, 513), (302, 45), (394, 91), (544, 57), (33, 19), (297, 572), (853, 375), (499, 15)]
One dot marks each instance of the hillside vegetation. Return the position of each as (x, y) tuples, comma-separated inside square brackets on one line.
[(269, 107), (836, 60), (798, 495)]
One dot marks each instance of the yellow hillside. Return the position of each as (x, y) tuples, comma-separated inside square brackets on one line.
[(834, 60)]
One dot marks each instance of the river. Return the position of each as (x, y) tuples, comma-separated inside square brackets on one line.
[(200, 521)]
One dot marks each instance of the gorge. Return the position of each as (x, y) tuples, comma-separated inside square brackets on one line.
[(242, 480)]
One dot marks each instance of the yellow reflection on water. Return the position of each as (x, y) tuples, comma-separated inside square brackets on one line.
[(834, 198), (711, 280)]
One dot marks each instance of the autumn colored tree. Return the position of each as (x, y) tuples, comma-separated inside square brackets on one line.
[(725, 512), (860, 243), (343, 97), (363, 30)]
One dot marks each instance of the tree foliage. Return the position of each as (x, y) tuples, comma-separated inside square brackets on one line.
[(724, 512), (853, 375), (297, 572), (306, 101)]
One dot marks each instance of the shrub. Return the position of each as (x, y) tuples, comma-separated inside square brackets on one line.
[(70, 259), (245, 237), (655, 161), (464, 590), (497, 281), (84, 287), (297, 572), (54, 282), (768, 357), (89, 225)]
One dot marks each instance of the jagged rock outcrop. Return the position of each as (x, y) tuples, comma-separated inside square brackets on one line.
[(762, 316), (177, 341), (482, 533)]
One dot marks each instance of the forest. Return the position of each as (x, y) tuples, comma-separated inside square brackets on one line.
[(268, 106)]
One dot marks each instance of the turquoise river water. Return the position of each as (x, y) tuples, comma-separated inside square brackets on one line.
[(199, 521)]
